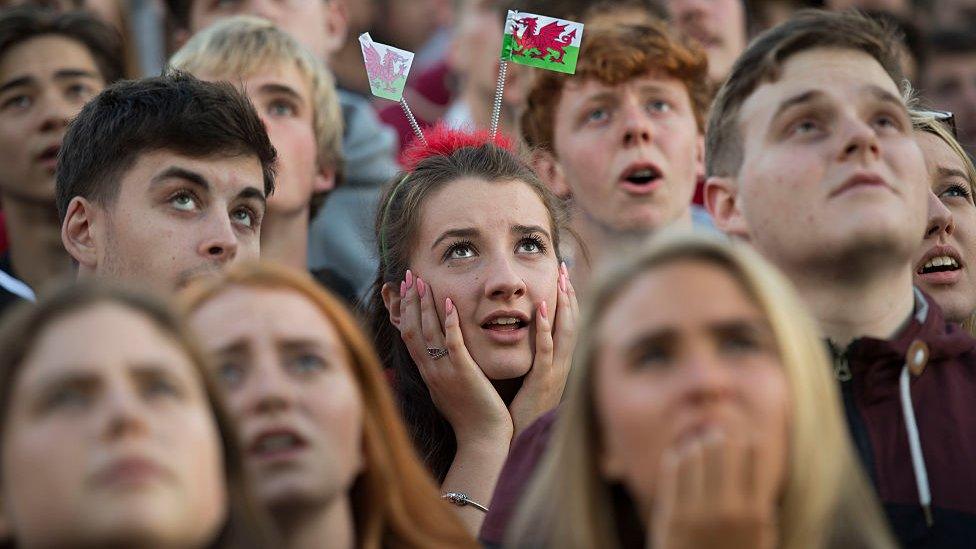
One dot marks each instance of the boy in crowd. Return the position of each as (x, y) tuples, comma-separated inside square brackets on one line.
[(811, 157), (50, 65), (950, 79), (164, 179), (295, 97), (341, 235), (623, 136)]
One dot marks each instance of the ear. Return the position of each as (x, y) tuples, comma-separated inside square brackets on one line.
[(336, 26), (391, 299), (78, 233), (551, 172), (700, 157), (723, 203), (325, 180)]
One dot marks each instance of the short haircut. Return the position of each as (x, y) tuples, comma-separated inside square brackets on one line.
[(174, 112), (614, 54), (763, 62), (242, 45), (22, 23)]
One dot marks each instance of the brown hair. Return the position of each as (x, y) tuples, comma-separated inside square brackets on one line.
[(246, 526), (397, 220), (613, 54), (764, 59), (394, 502), (174, 112), (22, 23)]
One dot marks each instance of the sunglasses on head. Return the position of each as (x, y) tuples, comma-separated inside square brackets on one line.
[(945, 117)]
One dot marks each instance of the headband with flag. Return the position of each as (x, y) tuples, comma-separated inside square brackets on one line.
[(537, 41), (387, 69)]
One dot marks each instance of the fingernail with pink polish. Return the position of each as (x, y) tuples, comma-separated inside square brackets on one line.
[(421, 287), (409, 279), (448, 306), (544, 310), (403, 288)]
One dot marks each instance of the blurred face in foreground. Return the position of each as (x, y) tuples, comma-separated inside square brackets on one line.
[(289, 384), (687, 369), (109, 439)]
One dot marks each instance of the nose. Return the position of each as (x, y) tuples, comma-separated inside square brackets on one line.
[(939, 218), (125, 413), (707, 378), (57, 112), (503, 282), (860, 142), (638, 127), (271, 391), (220, 241)]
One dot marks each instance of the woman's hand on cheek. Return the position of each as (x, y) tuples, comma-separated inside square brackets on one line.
[(708, 495), (555, 338), (458, 387)]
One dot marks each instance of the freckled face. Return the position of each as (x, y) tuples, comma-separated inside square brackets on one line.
[(488, 246)]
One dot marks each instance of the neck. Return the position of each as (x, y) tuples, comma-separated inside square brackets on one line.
[(36, 250), (875, 305), (329, 525), (602, 239), (284, 239)]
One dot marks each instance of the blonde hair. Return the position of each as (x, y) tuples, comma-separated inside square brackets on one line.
[(395, 502), (825, 501), (242, 45)]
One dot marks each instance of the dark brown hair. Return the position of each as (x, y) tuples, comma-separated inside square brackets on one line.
[(245, 527), (174, 112), (613, 54), (397, 221), (22, 23), (394, 502), (764, 58)]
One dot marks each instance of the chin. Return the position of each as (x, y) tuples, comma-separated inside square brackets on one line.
[(506, 367)]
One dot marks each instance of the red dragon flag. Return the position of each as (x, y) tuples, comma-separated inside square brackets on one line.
[(542, 42), (387, 68)]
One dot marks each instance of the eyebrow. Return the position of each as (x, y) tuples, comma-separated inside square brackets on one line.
[(63, 74), (282, 89), (952, 172), (798, 99), (197, 180), (886, 96), (529, 229), (455, 233)]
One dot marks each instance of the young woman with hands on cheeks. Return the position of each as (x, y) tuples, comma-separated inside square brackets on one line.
[(701, 414), (475, 313)]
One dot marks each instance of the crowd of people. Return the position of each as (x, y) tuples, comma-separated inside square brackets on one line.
[(712, 289)]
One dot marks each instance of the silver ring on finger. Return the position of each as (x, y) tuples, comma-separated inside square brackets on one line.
[(436, 353)]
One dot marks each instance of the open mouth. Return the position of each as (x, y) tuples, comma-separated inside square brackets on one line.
[(642, 176), (505, 324), (939, 264), (49, 154), (277, 443)]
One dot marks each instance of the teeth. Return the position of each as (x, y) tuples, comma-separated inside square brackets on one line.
[(276, 442), (941, 261), (506, 320), (642, 173)]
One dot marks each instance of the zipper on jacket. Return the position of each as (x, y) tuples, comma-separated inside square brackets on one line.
[(855, 423)]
